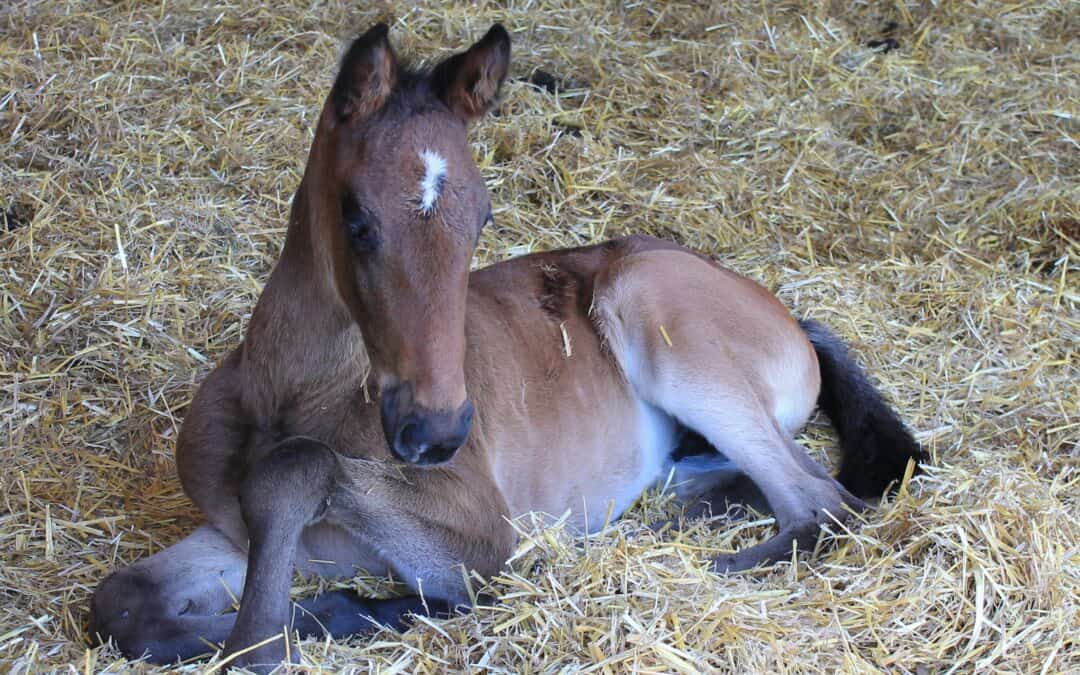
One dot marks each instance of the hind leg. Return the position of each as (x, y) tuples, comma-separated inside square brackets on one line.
[(724, 408), (707, 484), (727, 492), (801, 497), (754, 464), (725, 359)]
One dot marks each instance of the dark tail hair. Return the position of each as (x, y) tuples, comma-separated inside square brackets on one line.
[(876, 444)]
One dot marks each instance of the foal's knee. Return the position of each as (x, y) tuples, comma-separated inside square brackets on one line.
[(293, 481)]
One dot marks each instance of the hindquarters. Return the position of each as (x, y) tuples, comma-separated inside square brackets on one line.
[(678, 322), (725, 359)]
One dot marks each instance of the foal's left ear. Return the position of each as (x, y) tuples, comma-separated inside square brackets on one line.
[(468, 83)]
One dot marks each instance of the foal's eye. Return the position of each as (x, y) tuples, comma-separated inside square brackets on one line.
[(360, 226), (362, 236)]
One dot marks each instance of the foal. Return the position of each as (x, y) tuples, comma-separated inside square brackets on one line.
[(562, 381)]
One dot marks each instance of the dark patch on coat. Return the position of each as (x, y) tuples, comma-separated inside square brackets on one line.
[(557, 292)]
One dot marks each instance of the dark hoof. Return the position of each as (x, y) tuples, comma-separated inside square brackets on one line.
[(776, 549), (265, 658)]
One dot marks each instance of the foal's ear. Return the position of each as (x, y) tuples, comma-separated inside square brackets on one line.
[(469, 82), (368, 75)]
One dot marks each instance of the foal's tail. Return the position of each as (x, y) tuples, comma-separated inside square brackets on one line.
[(876, 444)]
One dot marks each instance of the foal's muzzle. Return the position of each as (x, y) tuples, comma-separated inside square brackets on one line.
[(418, 435)]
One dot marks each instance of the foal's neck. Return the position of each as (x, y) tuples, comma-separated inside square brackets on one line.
[(301, 335)]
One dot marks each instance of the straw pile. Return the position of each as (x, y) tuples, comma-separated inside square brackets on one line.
[(905, 171)]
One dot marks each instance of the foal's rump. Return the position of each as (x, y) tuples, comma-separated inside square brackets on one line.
[(679, 322)]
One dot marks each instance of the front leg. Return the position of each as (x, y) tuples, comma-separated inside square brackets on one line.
[(173, 605), (284, 493), (427, 523)]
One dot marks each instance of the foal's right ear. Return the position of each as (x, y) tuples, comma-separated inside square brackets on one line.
[(368, 75)]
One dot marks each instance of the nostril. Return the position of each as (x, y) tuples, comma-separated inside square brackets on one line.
[(411, 438), (432, 437)]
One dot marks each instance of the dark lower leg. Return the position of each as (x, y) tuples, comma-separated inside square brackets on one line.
[(779, 547), (284, 493), (342, 613), (731, 500), (169, 640), (801, 494), (170, 606)]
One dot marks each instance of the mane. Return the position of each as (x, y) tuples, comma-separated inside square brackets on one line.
[(413, 94)]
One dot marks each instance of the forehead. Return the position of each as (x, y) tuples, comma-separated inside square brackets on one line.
[(400, 139), (419, 162)]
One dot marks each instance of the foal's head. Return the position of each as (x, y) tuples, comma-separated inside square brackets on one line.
[(405, 205)]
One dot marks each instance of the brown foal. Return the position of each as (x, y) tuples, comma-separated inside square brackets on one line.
[(389, 411)]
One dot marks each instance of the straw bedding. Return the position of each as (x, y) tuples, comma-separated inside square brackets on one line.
[(906, 172)]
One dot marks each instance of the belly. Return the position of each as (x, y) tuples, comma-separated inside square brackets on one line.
[(591, 469), (648, 463)]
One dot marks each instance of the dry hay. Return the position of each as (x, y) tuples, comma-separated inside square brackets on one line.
[(922, 200)]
